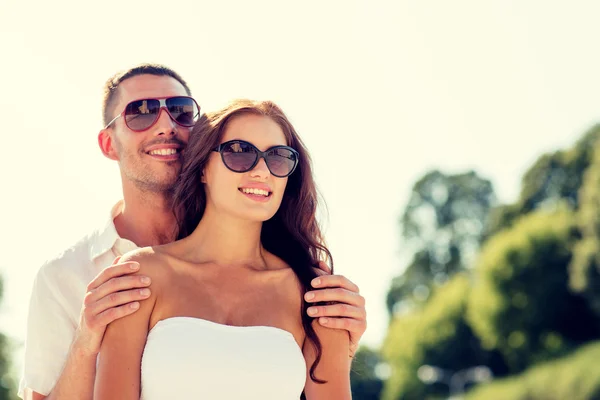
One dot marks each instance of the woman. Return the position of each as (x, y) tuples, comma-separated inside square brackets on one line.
[(226, 318)]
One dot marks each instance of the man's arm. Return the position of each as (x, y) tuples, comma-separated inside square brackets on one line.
[(76, 380), (349, 312), (112, 295)]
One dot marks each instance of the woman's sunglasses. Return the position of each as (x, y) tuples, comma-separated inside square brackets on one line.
[(140, 115), (242, 156)]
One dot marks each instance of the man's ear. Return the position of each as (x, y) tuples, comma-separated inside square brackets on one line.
[(105, 141)]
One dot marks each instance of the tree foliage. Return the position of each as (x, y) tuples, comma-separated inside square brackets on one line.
[(585, 268), (437, 335), (574, 377), (513, 285), (443, 222), (366, 384), (521, 303), (555, 177)]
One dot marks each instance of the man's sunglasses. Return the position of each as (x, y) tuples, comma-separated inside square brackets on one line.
[(242, 156), (140, 115)]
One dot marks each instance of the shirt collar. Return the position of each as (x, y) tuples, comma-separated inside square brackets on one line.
[(106, 236)]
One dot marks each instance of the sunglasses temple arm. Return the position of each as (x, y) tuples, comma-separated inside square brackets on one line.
[(113, 120)]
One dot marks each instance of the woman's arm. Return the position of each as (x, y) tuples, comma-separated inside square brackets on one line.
[(334, 366), (119, 363)]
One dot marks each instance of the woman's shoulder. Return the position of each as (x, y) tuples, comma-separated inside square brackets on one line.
[(282, 270), (291, 286), (152, 261), (289, 276), (147, 255)]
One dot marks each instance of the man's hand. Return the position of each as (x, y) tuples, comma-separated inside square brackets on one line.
[(113, 294), (348, 313)]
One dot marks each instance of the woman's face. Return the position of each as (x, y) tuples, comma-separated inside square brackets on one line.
[(254, 195)]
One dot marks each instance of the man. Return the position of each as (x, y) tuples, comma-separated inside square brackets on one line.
[(146, 139)]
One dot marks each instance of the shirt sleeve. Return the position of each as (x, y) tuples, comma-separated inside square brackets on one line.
[(50, 331)]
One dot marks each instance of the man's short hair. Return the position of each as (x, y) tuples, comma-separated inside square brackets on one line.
[(112, 84)]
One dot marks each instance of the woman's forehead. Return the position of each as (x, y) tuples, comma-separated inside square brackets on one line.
[(259, 130)]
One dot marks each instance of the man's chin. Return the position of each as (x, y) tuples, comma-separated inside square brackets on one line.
[(158, 183), (167, 171)]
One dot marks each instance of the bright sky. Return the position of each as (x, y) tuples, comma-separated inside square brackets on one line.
[(381, 91)]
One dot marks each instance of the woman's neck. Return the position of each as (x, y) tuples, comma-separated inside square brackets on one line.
[(225, 240)]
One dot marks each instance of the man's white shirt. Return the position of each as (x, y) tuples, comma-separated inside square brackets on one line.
[(56, 300)]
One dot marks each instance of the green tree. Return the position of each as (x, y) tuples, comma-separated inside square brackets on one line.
[(443, 222), (554, 178), (521, 303), (574, 377), (522, 307), (585, 267), (438, 334)]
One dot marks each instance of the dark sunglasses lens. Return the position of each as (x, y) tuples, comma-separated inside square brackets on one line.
[(239, 156), (141, 114), (281, 161), (183, 110)]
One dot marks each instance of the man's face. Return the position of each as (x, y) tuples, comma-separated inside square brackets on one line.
[(145, 158)]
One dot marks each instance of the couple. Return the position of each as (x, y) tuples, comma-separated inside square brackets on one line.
[(224, 311)]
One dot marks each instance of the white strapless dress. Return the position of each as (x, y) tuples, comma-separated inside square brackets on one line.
[(192, 358)]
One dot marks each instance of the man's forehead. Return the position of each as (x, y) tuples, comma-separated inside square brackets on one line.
[(149, 86)]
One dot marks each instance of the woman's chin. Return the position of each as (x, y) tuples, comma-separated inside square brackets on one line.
[(255, 216)]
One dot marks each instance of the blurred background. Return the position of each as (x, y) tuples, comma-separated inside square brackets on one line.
[(455, 145)]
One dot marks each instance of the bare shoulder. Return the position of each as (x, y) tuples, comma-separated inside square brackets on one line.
[(287, 283), (151, 261), (293, 287), (139, 255)]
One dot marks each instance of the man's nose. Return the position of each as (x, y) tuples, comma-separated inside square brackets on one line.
[(165, 124)]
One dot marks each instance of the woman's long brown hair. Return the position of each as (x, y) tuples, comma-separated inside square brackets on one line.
[(293, 233)]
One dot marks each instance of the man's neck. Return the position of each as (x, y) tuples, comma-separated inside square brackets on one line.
[(146, 219)]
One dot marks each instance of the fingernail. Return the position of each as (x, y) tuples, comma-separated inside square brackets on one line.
[(323, 320), (145, 292), (316, 282), (134, 306), (309, 296), (134, 266), (312, 311), (145, 279)]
